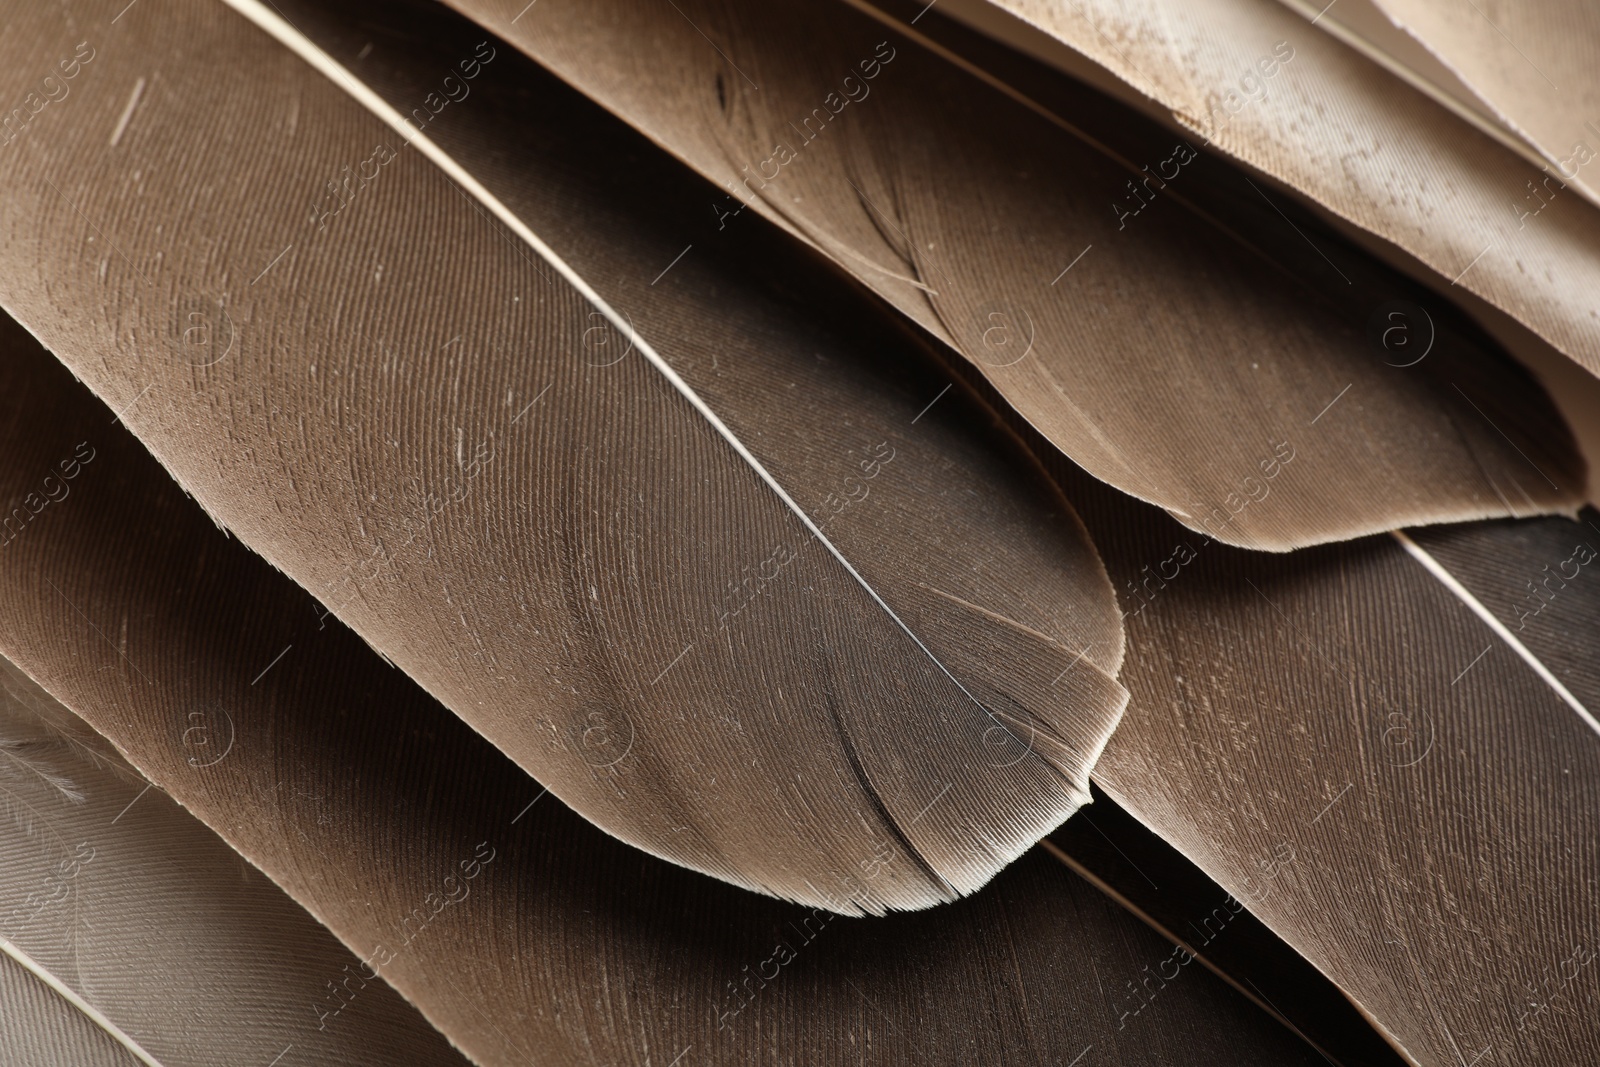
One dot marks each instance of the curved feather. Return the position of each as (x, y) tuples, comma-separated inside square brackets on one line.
[(1124, 859), (970, 213), (1365, 280), (411, 404), (1362, 25), (1343, 743), (145, 926), (1377, 281), (1351, 137), (1533, 66), (521, 931)]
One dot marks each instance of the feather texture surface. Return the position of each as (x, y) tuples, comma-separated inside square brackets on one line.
[(1537, 581), (554, 533), (150, 931), (707, 530), (1353, 138), (1362, 25), (43, 1030), (521, 931), (1533, 66), (1409, 320), (1342, 742), (1113, 851), (1046, 289)]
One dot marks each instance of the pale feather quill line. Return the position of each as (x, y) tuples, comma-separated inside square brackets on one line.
[(67, 993), (1438, 571), (1421, 82), (286, 34)]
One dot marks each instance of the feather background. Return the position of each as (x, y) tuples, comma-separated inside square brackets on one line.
[(870, 188), (518, 929), (1520, 83), (1024, 515), (622, 628), (1374, 769), (97, 864), (1416, 176)]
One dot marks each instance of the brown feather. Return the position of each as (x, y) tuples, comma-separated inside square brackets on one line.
[(419, 420), (1348, 135), (1532, 67), (1150, 878), (968, 212), (136, 908), (1343, 744), (372, 805)]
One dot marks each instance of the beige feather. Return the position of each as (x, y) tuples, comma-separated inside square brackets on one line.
[(1353, 138), (1391, 753), (1032, 254), (524, 933), (1532, 66), (397, 392)]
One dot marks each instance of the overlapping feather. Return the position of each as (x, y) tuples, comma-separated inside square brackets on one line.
[(522, 932), (672, 602), (1342, 741), (463, 407), (1348, 135), (1037, 257), (130, 932)]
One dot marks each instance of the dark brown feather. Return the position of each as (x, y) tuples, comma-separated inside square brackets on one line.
[(407, 409), (1342, 743), (1169, 362), (1150, 878), (372, 805), (1539, 579), (176, 950)]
